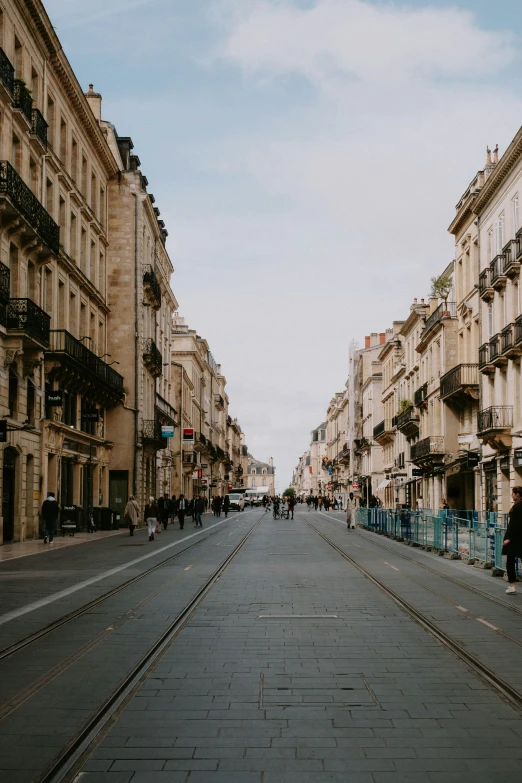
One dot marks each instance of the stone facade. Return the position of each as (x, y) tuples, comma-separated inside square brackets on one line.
[(261, 475)]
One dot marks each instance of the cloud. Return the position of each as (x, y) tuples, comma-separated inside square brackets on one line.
[(68, 15)]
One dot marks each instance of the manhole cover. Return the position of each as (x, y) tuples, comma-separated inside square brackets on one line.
[(281, 690)]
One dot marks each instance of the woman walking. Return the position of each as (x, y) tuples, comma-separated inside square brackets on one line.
[(151, 517), (512, 546), (132, 514)]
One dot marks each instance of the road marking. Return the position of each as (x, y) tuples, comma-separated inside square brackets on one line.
[(485, 622), (298, 616), (188, 568), (391, 566), (462, 608), (32, 607)]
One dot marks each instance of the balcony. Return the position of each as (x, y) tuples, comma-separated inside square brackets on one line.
[(498, 278), (81, 368), (17, 195), (219, 401), (486, 289), (152, 358), (495, 351), (495, 419), (39, 129), (190, 458), (518, 331), (408, 422), (428, 449), (220, 454), (384, 432), (151, 287), (22, 101), (460, 384), (151, 434), (24, 317), (200, 442), (512, 255), (485, 365), (420, 396), (508, 345), (7, 73), (444, 310), (5, 284)]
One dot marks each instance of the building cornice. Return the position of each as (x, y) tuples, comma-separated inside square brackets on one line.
[(503, 169)]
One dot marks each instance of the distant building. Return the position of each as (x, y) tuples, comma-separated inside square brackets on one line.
[(260, 474)]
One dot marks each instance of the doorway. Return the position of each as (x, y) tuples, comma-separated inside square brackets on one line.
[(8, 493), (118, 490)]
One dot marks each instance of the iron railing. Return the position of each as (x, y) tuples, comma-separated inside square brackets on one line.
[(23, 315), (23, 199), (498, 417), (518, 330), (438, 315), (434, 444), (151, 285), (508, 337), (408, 416), (151, 432), (61, 341), (494, 347), (461, 376), (420, 395), (511, 255), (484, 280), (22, 99), (483, 355), (497, 267), (384, 426), (39, 127), (152, 356), (220, 402), (7, 72), (5, 283)]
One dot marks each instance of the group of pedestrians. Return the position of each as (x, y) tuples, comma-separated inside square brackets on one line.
[(158, 513)]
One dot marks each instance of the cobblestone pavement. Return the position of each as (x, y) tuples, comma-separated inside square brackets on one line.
[(295, 667)]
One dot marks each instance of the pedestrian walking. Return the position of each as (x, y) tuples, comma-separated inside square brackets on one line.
[(315, 502), (199, 507), (291, 505), (182, 507), (219, 502), (164, 505), (132, 514), (151, 517), (512, 546), (351, 505), (226, 505), (320, 502), (190, 508), (50, 513), (340, 499), (327, 503)]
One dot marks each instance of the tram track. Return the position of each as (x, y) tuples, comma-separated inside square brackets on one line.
[(495, 682), (73, 755), (36, 636)]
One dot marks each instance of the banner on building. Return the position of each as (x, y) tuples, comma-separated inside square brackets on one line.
[(54, 398), (188, 435), (167, 431)]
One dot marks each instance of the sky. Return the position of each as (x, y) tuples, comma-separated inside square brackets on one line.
[(306, 156)]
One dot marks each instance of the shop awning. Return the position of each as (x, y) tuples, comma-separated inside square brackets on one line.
[(384, 484)]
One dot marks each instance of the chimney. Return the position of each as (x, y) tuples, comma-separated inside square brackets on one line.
[(495, 155), (414, 305), (95, 101), (382, 338), (367, 341), (374, 339)]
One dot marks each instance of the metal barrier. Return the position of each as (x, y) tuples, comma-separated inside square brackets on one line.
[(470, 534)]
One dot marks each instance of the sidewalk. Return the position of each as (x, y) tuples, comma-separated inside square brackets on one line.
[(37, 546)]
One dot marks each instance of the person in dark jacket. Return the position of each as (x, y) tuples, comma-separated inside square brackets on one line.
[(164, 506), (218, 501), (199, 507), (512, 546), (226, 505), (50, 512), (182, 510)]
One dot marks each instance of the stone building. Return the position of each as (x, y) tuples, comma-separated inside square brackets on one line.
[(261, 475), (55, 387)]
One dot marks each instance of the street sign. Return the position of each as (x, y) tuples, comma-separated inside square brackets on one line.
[(195, 475), (188, 435), (355, 485), (204, 465), (167, 431), (204, 481), (91, 414), (54, 398), (417, 472)]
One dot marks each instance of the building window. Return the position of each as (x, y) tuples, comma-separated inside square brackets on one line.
[(68, 408), (13, 393), (31, 400), (490, 321), (514, 207)]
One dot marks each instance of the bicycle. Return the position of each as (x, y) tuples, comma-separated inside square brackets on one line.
[(276, 513)]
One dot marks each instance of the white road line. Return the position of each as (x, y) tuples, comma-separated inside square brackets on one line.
[(485, 622), (462, 608), (5, 618), (391, 566)]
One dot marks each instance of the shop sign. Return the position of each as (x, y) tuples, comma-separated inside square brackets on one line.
[(188, 435), (204, 465), (204, 482), (417, 472), (167, 431), (517, 458), (90, 415), (355, 486), (504, 464), (54, 398), (473, 459)]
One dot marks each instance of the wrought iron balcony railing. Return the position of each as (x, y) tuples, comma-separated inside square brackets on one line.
[(485, 287), (151, 286), (463, 376), (497, 268), (5, 283), (62, 342), (508, 338), (152, 357), (7, 72), (518, 330), (151, 433), (244, 451), (220, 453), (23, 315), (420, 395), (494, 347), (22, 100), (511, 254), (433, 445), (25, 202), (483, 355), (498, 417), (220, 402), (384, 426), (444, 310), (39, 127), (408, 416)]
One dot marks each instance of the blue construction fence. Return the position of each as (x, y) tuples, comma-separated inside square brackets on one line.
[(468, 534)]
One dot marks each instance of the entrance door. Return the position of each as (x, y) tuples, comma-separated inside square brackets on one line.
[(8, 494), (118, 490), (490, 477), (87, 488)]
